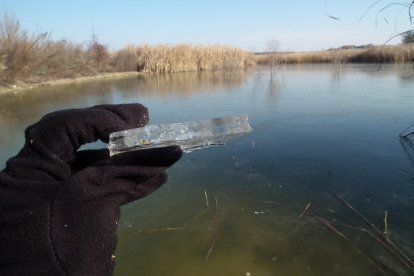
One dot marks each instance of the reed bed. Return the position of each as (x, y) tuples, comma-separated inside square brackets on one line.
[(185, 58), (374, 54)]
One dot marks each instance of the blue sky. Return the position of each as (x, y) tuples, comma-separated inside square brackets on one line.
[(298, 25)]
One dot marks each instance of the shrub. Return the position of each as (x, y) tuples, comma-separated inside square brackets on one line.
[(19, 51), (408, 37), (98, 50), (34, 58), (126, 60)]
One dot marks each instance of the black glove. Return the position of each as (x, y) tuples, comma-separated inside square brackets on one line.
[(59, 207)]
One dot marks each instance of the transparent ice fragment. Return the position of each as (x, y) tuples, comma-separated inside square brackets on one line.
[(188, 135)]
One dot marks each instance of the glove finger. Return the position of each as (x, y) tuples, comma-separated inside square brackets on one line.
[(158, 157), (136, 190), (126, 183), (155, 157), (86, 158), (135, 173), (59, 134)]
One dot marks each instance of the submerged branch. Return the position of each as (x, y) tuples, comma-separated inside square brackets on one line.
[(380, 237), (215, 232), (356, 212), (377, 264), (305, 210)]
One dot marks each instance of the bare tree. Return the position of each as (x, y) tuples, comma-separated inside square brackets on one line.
[(272, 47)]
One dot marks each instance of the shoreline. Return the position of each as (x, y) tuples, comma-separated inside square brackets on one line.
[(23, 87)]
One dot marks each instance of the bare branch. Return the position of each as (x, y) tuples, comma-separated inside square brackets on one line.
[(327, 14), (404, 5), (397, 35), (368, 9), (409, 12)]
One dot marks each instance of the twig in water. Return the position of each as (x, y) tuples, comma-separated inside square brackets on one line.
[(331, 227), (356, 212), (205, 195), (159, 230), (305, 210), (252, 157), (384, 240), (327, 224), (390, 248), (215, 232), (386, 225)]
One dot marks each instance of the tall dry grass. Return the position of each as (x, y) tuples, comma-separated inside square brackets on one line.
[(181, 58), (29, 58), (374, 54), (385, 54)]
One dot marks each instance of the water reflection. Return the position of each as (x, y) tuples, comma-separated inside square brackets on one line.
[(20, 109), (408, 147), (407, 142), (407, 73), (269, 82), (86, 94), (185, 84)]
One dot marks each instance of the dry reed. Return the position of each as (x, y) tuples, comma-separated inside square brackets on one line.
[(374, 54), (185, 58)]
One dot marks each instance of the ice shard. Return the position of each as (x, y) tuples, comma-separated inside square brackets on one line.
[(188, 135)]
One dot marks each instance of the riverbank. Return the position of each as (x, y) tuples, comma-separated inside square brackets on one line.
[(27, 60), (21, 86), (372, 54), (185, 58)]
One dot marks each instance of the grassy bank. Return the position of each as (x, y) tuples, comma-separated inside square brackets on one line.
[(373, 54), (36, 58), (27, 59)]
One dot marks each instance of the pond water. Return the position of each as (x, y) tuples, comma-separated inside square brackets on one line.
[(320, 131)]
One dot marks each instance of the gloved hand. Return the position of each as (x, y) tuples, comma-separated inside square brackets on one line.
[(59, 207)]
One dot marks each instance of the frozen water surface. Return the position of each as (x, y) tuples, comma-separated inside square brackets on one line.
[(318, 129)]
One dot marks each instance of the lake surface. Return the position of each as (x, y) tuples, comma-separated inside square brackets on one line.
[(319, 131)]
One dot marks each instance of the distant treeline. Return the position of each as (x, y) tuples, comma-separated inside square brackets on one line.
[(35, 58), (347, 54)]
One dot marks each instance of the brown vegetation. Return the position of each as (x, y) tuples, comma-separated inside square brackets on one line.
[(373, 54), (36, 58), (182, 58)]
